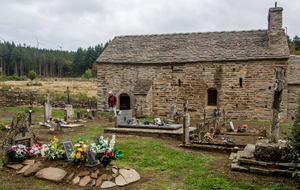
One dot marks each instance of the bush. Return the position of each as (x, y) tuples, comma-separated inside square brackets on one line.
[(32, 75), (87, 74), (34, 84), (6, 87)]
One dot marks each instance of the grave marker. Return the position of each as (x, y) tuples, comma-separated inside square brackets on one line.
[(186, 123), (19, 133), (69, 113), (68, 92), (91, 157), (68, 149), (47, 108)]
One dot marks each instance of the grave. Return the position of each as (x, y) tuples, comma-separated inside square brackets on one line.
[(125, 120), (19, 133), (69, 113), (47, 108)]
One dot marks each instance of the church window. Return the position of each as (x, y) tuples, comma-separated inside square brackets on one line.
[(212, 95)]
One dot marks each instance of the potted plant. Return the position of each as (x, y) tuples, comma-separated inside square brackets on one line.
[(242, 129), (17, 152), (106, 152)]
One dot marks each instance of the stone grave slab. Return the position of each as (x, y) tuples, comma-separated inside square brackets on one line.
[(107, 184), (15, 166), (33, 169), (120, 181), (28, 162), (52, 174), (20, 133), (130, 175)]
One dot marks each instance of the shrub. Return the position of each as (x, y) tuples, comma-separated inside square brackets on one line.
[(6, 87), (87, 74), (17, 88), (32, 75)]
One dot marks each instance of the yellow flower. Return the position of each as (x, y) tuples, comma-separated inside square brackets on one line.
[(78, 156), (73, 155), (63, 152), (84, 146), (77, 145), (80, 149), (84, 150), (80, 142)]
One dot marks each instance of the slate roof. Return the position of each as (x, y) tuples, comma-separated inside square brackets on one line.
[(191, 47)]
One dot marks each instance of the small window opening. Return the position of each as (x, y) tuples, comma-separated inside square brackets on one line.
[(172, 68), (203, 69), (212, 97), (233, 69), (266, 106), (179, 82), (293, 118), (157, 94), (236, 105), (232, 87), (241, 82), (270, 87), (166, 100)]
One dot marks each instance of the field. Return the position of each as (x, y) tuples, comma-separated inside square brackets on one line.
[(80, 89)]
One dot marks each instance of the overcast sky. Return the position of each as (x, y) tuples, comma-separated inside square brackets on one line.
[(77, 23)]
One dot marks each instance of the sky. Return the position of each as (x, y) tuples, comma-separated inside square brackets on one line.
[(70, 24)]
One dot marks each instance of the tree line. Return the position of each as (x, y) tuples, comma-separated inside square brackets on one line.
[(294, 45), (21, 59)]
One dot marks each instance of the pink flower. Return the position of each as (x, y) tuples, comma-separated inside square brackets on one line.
[(111, 154)]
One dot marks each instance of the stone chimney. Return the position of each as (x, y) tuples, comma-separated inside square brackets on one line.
[(275, 30)]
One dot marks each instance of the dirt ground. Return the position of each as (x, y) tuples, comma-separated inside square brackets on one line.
[(220, 165)]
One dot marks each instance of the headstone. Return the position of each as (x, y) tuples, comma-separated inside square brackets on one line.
[(68, 93), (79, 115), (186, 123), (276, 104), (94, 113), (20, 133), (69, 113), (122, 117), (231, 125), (68, 149), (173, 110), (91, 157), (47, 108), (54, 127)]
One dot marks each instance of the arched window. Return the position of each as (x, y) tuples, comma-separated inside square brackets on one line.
[(124, 101), (212, 96)]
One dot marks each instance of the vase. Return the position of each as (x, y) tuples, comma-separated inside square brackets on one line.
[(18, 158), (105, 164)]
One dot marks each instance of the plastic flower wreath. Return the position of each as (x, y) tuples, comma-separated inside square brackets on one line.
[(18, 151), (105, 151), (79, 153), (35, 150)]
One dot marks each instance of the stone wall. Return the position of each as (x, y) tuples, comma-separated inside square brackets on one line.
[(13, 98), (245, 88), (78, 104)]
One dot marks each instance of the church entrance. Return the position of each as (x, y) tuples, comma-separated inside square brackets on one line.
[(124, 102)]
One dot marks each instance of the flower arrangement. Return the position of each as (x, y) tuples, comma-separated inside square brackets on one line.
[(35, 150), (79, 153), (18, 151), (208, 137), (106, 151), (55, 150), (245, 126)]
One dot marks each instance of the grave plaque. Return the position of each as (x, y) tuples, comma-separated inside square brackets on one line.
[(68, 149), (26, 142), (91, 157)]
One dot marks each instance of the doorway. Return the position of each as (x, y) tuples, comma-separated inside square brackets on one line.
[(124, 101)]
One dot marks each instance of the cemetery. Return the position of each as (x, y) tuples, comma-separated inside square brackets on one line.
[(171, 130)]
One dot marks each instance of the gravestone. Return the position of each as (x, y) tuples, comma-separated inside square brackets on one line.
[(68, 149), (69, 113), (173, 111), (47, 108), (122, 117), (91, 157), (20, 133), (186, 123)]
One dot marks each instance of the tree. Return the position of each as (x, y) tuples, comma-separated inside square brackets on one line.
[(32, 75), (87, 74)]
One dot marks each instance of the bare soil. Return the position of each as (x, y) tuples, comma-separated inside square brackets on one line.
[(220, 165)]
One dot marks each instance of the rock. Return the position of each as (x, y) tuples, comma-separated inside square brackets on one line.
[(114, 175), (70, 176), (28, 162), (107, 184), (104, 177), (247, 155), (278, 172), (254, 162), (93, 182), (120, 181), (33, 169), (52, 174), (236, 167), (84, 181), (97, 172), (98, 182), (130, 175), (109, 177), (15, 166), (270, 151), (94, 175), (235, 161), (232, 156), (76, 180), (115, 171), (83, 174), (23, 169), (250, 148)]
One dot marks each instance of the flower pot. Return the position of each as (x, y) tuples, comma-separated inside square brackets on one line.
[(242, 130), (105, 164)]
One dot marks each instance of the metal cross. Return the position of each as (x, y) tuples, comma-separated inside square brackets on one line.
[(30, 111), (68, 92), (23, 130)]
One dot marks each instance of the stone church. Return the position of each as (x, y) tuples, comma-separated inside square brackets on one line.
[(234, 71)]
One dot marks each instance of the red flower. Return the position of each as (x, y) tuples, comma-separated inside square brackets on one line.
[(103, 154), (239, 127), (245, 126), (111, 154), (84, 153), (81, 145)]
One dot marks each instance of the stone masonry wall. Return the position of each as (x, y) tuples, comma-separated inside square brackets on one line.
[(250, 100), (77, 104), (13, 98)]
